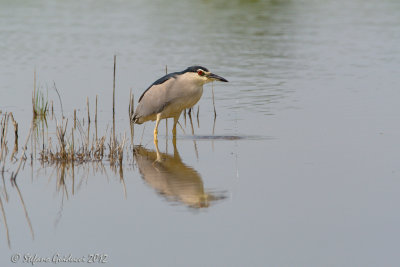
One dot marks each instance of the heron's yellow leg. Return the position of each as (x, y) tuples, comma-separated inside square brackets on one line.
[(156, 128), (174, 129)]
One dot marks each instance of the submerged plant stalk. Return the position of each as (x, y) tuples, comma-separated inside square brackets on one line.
[(212, 90), (115, 63)]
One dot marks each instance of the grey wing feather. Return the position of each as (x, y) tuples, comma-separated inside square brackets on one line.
[(159, 81), (153, 100)]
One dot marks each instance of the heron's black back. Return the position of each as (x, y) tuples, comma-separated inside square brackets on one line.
[(172, 75)]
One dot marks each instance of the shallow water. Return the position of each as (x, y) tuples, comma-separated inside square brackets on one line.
[(300, 169)]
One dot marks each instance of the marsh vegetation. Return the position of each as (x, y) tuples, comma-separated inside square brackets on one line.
[(72, 147)]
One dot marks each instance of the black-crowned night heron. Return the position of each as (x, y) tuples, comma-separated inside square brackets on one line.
[(169, 95)]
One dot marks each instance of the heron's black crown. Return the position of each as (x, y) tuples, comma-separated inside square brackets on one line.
[(194, 69)]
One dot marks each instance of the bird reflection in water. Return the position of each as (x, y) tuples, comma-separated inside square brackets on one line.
[(173, 179)]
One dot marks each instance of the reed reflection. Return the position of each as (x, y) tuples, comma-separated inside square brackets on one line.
[(4, 193), (173, 179)]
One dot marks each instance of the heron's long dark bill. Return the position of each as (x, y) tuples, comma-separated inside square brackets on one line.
[(216, 77)]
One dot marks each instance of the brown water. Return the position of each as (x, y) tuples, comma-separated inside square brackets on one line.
[(301, 169)]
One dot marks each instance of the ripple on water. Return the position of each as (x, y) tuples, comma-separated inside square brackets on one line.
[(226, 137)]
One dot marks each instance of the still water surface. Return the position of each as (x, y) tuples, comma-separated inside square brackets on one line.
[(301, 169)]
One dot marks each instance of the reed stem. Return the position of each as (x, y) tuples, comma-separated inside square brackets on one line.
[(115, 63)]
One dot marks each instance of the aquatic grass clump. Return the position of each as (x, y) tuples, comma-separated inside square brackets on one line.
[(74, 145), (66, 150), (116, 149), (40, 104)]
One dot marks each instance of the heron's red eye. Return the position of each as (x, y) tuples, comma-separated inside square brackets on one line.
[(200, 72)]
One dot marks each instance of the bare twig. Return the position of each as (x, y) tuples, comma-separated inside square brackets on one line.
[(4, 128), (198, 121), (95, 119), (88, 110), (115, 63), (15, 134), (34, 92), (74, 118), (131, 113), (59, 97), (212, 90)]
